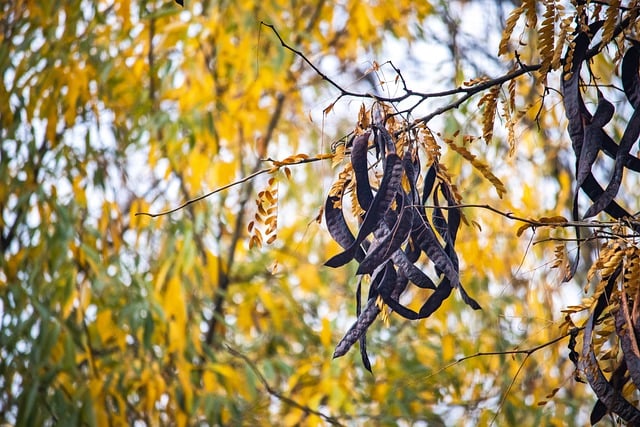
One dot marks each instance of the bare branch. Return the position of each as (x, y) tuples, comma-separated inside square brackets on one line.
[(278, 395), (533, 222), (277, 164)]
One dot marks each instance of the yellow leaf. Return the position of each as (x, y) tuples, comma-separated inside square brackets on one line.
[(175, 310), (293, 417), (448, 347), (328, 109), (522, 229), (69, 303), (72, 97), (108, 330), (308, 276), (225, 370), (187, 387), (325, 333), (52, 122), (209, 381), (553, 220), (223, 172), (198, 166), (161, 275)]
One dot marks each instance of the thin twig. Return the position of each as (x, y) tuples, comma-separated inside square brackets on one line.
[(506, 393), (249, 177), (533, 222), (467, 92), (566, 239), (528, 351), (204, 196), (273, 392)]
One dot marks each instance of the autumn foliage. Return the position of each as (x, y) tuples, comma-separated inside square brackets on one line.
[(229, 213)]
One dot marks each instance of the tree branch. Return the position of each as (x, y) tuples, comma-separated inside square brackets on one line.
[(467, 92), (273, 392), (277, 164), (552, 222)]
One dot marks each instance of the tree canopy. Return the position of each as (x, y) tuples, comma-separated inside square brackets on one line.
[(308, 213)]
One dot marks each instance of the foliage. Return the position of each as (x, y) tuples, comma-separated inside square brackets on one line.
[(219, 313)]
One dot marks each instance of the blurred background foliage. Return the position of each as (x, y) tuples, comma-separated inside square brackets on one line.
[(110, 108)]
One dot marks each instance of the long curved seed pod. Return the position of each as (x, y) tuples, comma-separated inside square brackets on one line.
[(593, 139), (436, 299), (447, 230), (365, 318), (577, 115), (363, 338), (410, 271), (627, 335), (404, 260), (411, 171), (393, 240), (337, 225), (573, 104), (445, 259), (629, 74), (589, 364), (575, 110), (429, 181), (631, 134), (401, 259), (631, 86), (438, 219), (610, 148), (384, 140), (443, 263), (390, 289), (467, 299), (617, 380), (359, 152), (593, 189), (454, 213), (413, 249), (423, 230), (430, 245), (381, 202), (610, 397), (364, 356), (406, 266), (359, 328)]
